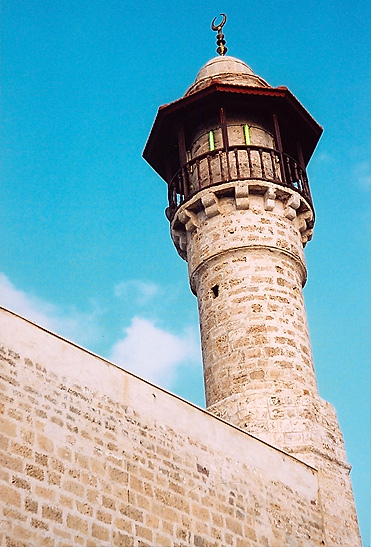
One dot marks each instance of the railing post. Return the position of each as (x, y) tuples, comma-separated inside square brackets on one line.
[(306, 188), (210, 171), (297, 174), (182, 182), (220, 155), (237, 163), (249, 158), (198, 173), (261, 163), (273, 161), (170, 191), (290, 181)]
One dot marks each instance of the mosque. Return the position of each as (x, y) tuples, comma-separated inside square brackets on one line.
[(92, 455)]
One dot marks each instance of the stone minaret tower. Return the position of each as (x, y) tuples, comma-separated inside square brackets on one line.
[(234, 152)]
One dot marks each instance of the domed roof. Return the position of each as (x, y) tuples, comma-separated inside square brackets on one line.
[(226, 70)]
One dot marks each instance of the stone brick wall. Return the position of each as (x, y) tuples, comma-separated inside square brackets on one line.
[(91, 455)]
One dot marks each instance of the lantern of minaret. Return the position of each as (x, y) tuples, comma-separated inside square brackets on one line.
[(234, 152)]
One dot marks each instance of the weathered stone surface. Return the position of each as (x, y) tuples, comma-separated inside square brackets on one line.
[(247, 268)]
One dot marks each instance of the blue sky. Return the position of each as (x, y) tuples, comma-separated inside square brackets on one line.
[(84, 246)]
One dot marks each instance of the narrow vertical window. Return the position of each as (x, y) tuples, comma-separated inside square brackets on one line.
[(211, 141), (215, 291), (246, 130)]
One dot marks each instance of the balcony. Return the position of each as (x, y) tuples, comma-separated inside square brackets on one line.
[(239, 163)]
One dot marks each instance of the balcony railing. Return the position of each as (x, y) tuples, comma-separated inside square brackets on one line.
[(239, 163)]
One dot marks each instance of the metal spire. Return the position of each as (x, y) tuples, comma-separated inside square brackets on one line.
[(221, 49)]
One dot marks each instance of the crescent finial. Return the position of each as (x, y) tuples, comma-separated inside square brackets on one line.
[(221, 25), (221, 49)]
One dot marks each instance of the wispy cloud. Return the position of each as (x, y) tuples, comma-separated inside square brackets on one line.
[(153, 353), (324, 157), (24, 304), (136, 290), (75, 325)]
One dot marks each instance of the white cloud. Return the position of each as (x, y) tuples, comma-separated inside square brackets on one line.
[(139, 291), (74, 325), (153, 353), (145, 349)]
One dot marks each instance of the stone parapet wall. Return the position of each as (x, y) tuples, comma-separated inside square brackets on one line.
[(91, 455)]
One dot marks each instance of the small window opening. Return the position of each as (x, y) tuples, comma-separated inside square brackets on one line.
[(215, 291), (211, 141), (246, 130)]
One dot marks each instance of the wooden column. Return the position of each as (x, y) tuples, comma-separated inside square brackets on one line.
[(279, 146), (182, 149), (223, 125)]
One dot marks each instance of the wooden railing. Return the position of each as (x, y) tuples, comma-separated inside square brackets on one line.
[(239, 163)]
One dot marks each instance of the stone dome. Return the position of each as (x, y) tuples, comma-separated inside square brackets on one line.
[(226, 70)]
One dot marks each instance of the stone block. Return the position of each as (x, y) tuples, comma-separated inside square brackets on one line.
[(211, 205), (269, 199)]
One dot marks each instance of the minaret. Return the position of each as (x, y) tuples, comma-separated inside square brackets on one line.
[(234, 152)]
